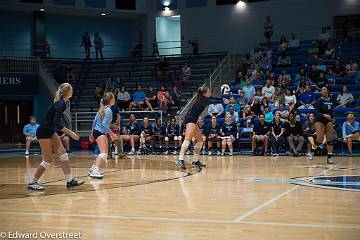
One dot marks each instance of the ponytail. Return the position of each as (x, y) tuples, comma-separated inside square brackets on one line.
[(101, 108), (63, 91), (58, 95), (104, 102)]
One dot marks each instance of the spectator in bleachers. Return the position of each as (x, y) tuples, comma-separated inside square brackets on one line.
[(256, 106), (301, 87), (264, 103), (29, 131), (261, 133), (313, 75), (247, 116), (257, 81), (228, 133), (155, 48), (151, 99), (269, 30), (324, 35), (265, 64), (159, 132), (98, 45), (86, 44), (145, 135), (329, 52), (294, 42), (109, 85), (283, 59), (278, 98), (345, 98), (269, 116), (131, 134), (351, 68), (123, 98), (337, 69), (268, 90), (283, 86), (239, 77), (294, 131), (283, 45), (300, 75), (99, 90), (232, 103), (139, 97), (284, 76), (267, 53), (253, 71), (313, 51), (68, 70), (162, 69), (234, 115), (185, 73), (249, 91), (116, 84), (284, 113), (277, 134), (320, 66), (350, 131), (321, 81), (173, 135), (310, 134), (331, 77), (242, 100), (258, 94), (175, 97), (163, 98), (307, 99), (195, 47), (290, 99), (216, 110), (213, 135)]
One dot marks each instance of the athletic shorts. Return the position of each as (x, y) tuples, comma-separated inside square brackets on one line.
[(97, 134), (44, 133), (322, 120), (259, 138), (173, 138)]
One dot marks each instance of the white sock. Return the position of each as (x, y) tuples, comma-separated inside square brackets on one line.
[(181, 156), (133, 149), (231, 150), (69, 177)]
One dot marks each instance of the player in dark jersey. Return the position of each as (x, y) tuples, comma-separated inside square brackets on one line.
[(228, 134), (324, 118), (131, 134), (49, 140), (202, 128), (173, 135), (192, 130), (145, 135), (213, 135), (159, 132)]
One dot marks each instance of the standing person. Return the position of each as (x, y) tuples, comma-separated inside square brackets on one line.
[(50, 141), (86, 44), (29, 131), (155, 48), (324, 107), (100, 131), (269, 30), (213, 135), (98, 44), (228, 134), (192, 130), (277, 134)]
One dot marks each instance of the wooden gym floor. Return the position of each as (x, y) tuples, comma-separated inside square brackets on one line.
[(148, 197)]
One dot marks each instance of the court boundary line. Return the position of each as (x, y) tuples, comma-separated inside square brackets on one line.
[(182, 220), (274, 199)]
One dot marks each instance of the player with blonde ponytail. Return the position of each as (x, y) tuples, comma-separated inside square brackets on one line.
[(100, 131), (49, 139)]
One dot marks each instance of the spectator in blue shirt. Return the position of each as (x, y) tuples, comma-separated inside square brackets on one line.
[(30, 132), (307, 99), (139, 97), (350, 131), (249, 91)]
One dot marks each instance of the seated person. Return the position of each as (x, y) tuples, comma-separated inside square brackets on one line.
[(173, 135), (321, 82), (351, 68), (337, 69), (202, 129), (310, 134), (139, 99), (159, 132), (294, 131), (307, 99), (249, 91), (284, 60), (213, 135), (329, 51), (242, 100), (284, 113), (185, 73), (277, 134), (150, 99), (290, 99), (261, 133), (29, 131), (268, 90), (350, 131), (175, 97), (234, 115), (331, 77), (145, 135), (294, 42), (163, 98), (228, 133), (247, 116), (313, 51), (232, 103), (124, 99), (131, 134), (99, 90), (269, 116), (216, 109), (345, 98)]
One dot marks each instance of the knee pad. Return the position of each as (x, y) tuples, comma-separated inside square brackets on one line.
[(185, 144), (175, 138), (64, 157), (179, 138), (45, 165), (198, 145), (166, 139), (103, 156), (329, 143)]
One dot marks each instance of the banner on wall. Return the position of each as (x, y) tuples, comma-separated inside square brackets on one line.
[(18, 84)]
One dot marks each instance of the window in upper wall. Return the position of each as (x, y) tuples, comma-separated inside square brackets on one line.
[(65, 2), (125, 4), (196, 3), (224, 2), (95, 3), (32, 1)]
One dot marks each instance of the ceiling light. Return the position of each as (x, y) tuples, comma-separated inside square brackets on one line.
[(42, 9), (102, 14)]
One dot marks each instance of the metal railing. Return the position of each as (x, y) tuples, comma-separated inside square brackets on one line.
[(19, 65)]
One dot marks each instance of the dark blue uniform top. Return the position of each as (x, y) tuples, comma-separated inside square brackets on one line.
[(147, 129), (54, 116), (115, 110), (324, 106), (202, 129), (133, 128), (159, 130), (212, 129), (198, 107), (173, 130), (262, 129), (228, 129)]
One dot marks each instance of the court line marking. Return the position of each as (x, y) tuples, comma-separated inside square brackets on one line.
[(186, 220), (274, 199)]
